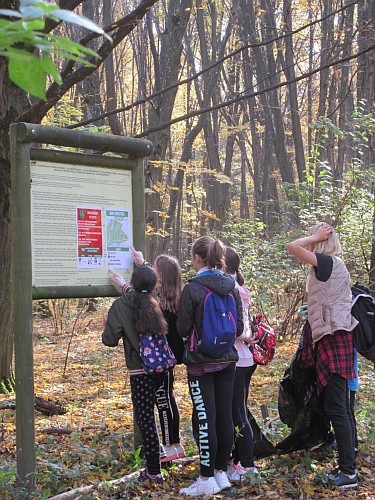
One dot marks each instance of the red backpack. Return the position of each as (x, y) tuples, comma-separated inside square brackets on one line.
[(264, 350)]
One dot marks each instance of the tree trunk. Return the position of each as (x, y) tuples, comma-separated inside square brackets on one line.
[(290, 74), (12, 102), (109, 68)]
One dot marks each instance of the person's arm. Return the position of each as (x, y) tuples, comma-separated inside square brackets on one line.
[(301, 248), (113, 330), (185, 315), (240, 325), (119, 282)]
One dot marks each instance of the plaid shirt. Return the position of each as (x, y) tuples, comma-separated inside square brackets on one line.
[(332, 354)]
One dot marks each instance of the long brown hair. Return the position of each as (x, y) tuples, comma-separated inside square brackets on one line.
[(232, 264), (210, 250), (169, 286), (148, 315)]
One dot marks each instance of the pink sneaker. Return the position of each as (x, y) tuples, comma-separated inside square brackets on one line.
[(172, 452), (237, 473)]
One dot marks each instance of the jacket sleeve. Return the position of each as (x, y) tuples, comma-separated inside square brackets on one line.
[(114, 329), (240, 325), (185, 315)]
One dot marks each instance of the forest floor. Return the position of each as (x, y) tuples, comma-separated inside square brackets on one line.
[(93, 442)]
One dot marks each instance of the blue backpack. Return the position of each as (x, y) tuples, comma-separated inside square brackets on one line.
[(219, 324)]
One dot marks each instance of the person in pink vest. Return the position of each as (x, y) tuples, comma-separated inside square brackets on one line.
[(331, 322), (242, 457)]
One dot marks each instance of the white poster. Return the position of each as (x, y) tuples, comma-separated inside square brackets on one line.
[(60, 237), (118, 240)]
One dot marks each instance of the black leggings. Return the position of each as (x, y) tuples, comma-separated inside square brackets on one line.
[(143, 389), (243, 441), (167, 408), (211, 395), (337, 407)]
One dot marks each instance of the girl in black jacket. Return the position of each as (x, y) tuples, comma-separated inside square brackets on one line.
[(133, 314), (210, 379)]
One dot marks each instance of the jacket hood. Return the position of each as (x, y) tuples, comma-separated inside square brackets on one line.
[(129, 299), (219, 283)]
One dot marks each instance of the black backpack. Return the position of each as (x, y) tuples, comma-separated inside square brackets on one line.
[(363, 309)]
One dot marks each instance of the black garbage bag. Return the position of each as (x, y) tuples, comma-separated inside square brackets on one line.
[(299, 406), (262, 447)]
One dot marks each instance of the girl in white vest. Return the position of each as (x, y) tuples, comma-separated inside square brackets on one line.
[(329, 315)]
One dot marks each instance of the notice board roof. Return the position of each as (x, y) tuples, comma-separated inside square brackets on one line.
[(29, 132)]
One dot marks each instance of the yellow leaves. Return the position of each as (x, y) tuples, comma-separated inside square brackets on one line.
[(161, 214), (309, 489), (151, 231), (210, 215), (159, 187), (365, 470)]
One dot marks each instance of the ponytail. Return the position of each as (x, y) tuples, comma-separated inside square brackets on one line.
[(232, 264), (211, 251)]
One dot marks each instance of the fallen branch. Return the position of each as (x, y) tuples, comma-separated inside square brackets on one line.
[(69, 495), (65, 430), (42, 405)]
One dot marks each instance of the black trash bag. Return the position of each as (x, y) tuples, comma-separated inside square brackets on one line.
[(299, 406), (262, 447)]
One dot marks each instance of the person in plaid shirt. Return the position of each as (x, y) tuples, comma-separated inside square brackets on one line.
[(329, 315)]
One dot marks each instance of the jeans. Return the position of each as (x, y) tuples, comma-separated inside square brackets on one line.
[(337, 407)]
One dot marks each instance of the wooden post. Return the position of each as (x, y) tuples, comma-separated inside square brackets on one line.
[(22, 311)]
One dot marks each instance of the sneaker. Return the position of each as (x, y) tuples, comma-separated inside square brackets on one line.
[(222, 479), (336, 471), (237, 473), (201, 487), (345, 480), (172, 452), (146, 478), (180, 450)]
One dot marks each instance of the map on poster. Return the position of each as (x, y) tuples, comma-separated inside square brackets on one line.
[(117, 225), (81, 223)]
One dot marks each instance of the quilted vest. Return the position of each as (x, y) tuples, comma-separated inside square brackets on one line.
[(329, 303)]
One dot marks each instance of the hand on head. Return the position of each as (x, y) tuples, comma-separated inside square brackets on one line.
[(322, 233)]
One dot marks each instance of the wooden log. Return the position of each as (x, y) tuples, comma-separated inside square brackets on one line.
[(70, 495)]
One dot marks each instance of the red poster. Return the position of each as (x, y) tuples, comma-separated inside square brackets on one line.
[(89, 237)]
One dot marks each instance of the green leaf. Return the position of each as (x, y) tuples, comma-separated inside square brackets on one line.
[(35, 25), (30, 76), (49, 67), (70, 17)]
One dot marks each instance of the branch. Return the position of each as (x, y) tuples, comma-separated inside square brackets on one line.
[(71, 77), (253, 94), (207, 68)]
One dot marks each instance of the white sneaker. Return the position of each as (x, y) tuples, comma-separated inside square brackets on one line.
[(222, 479), (201, 487)]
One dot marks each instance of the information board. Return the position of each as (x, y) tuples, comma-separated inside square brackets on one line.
[(81, 223)]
